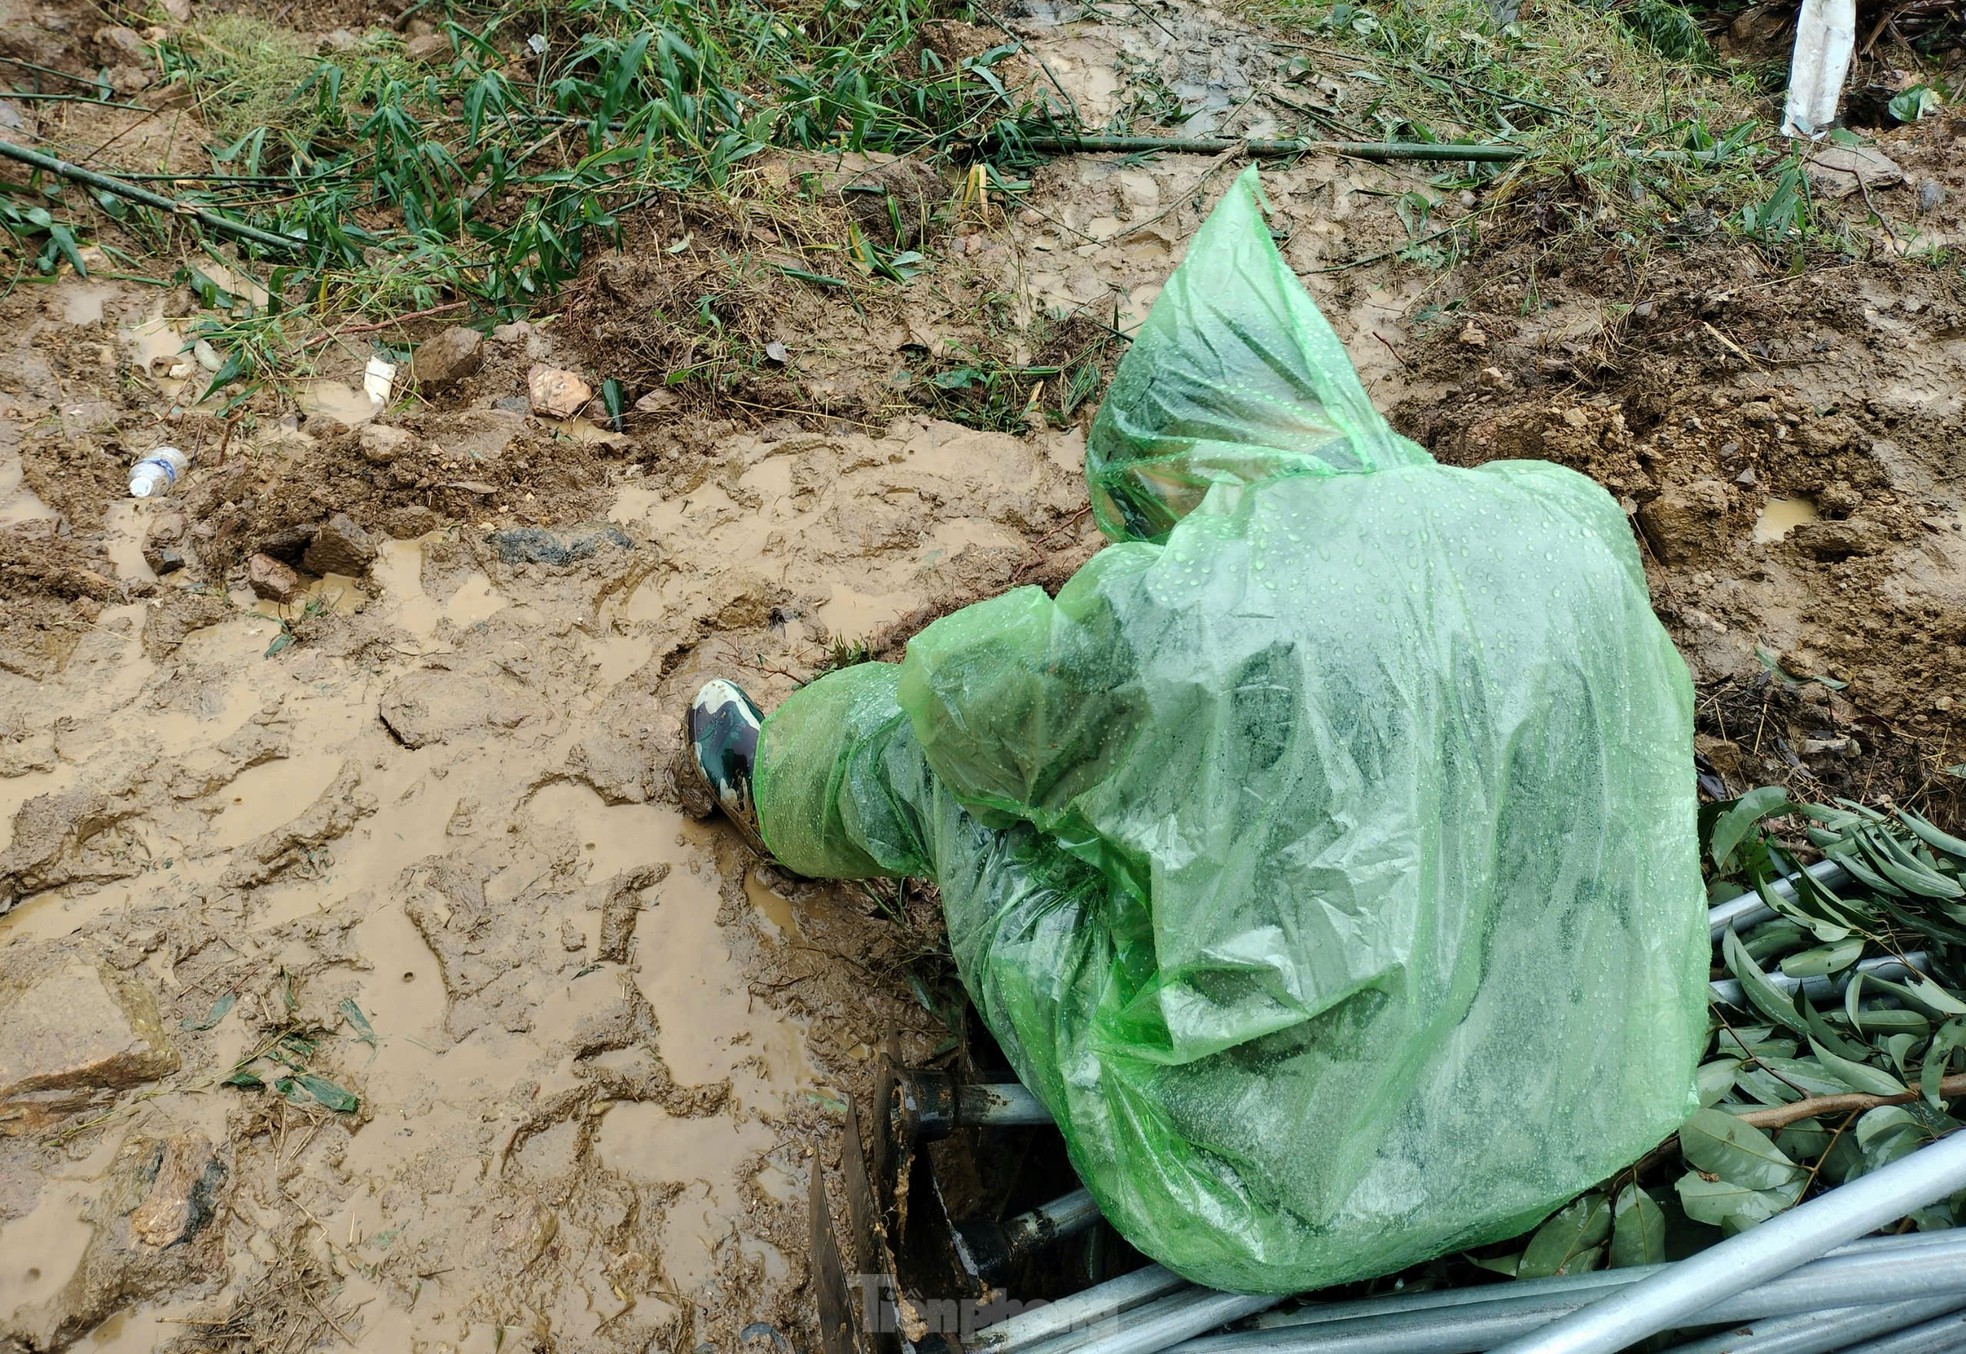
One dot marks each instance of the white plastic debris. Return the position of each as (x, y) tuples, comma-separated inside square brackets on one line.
[(153, 476), (379, 381), (1825, 36)]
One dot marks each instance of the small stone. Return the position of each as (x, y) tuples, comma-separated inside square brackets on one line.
[(180, 1199), (428, 48), (516, 332), (1930, 195), (382, 444), (165, 535), (556, 393), (656, 402), (447, 359), (1643, 310), (72, 1034), (513, 404), (775, 352), (272, 579), (340, 547), (1472, 336), (1747, 479), (177, 11), (1835, 171), (119, 46), (168, 561)]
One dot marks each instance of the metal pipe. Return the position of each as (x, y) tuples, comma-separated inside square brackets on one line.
[(1583, 1287), (988, 1248), (1883, 966), (1868, 1276), (1166, 1323), (1821, 1332), (1002, 1106), (1081, 1309), (1947, 1335), (1751, 1258), (1748, 909)]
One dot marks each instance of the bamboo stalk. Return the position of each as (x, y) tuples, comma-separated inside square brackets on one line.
[(1214, 145), (224, 225)]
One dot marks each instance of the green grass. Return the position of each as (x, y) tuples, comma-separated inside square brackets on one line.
[(1637, 132), (490, 175)]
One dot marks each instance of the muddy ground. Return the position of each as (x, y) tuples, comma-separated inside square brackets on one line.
[(557, 1057)]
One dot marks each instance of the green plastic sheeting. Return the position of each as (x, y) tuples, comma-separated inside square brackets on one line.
[(1324, 855)]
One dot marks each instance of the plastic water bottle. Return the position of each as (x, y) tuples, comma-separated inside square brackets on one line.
[(153, 476)]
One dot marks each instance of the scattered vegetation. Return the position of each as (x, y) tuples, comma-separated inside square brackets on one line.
[(1835, 1039), (1638, 134)]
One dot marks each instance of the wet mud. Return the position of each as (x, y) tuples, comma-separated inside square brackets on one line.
[(412, 1008)]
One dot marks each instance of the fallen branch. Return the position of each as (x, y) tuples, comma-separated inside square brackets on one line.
[(1217, 145), (1781, 1116), (224, 225)]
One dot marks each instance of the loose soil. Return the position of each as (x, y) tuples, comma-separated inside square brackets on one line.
[(597, 1047)]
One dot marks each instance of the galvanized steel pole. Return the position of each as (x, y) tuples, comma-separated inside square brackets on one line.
[(1740, 1262)]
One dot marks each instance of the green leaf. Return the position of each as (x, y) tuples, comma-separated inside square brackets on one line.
[(1729, 1206), (1858, 1076), (1824, 959), (241, 1077), (212, 1017), (1716, 1079), (1915, 103), (326, 1093), (1938, 1055), (1571, 1242), (231, 370), (364, 1030), (1763, 995), (1720, 1144), (1733, 826), (1638, 1230), (280, 641)]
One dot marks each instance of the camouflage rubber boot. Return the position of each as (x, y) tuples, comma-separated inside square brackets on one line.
[(722, 727)]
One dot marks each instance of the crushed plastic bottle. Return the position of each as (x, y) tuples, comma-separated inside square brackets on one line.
[(157, 472)]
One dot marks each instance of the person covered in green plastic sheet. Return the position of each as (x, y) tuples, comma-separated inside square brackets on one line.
[(1323, 855)]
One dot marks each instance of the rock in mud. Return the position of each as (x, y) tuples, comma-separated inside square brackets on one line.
[(179, 1200), (427, 48), (536, 545), (73, 1034), (340, 547), (271, 579), (163, 544), (1838, 171), (1830, 541), (443, 361), (74, 836), (382, 444), (1686, 521), (155, 1231), (555, 393)]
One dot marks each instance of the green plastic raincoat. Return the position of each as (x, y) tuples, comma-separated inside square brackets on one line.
[(1324, 855)]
